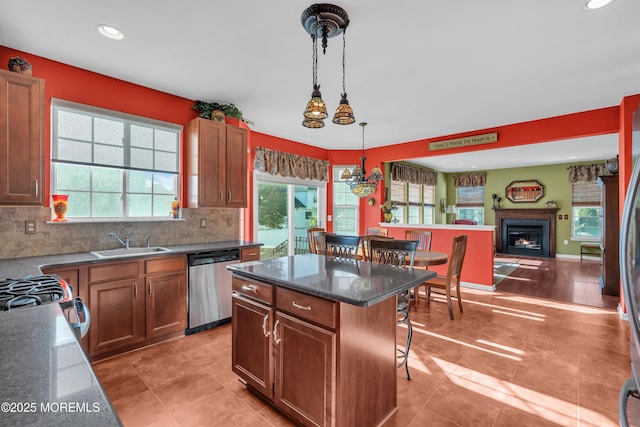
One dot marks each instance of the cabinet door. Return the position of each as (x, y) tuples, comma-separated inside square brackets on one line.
[(252, 355), (236, 167), (166, 303), (69, 275), (117, 315), (21, 134), (305, 370)]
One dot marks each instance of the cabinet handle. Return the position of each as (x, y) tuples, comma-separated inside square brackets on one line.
[(228, 196), (37, 189), (302, 307), (150, 286), (264, 325), (221, 196), (250, 288), (135, 290), (276, 339)]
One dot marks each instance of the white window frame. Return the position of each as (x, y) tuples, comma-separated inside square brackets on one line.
[(129, 119), (336, 173)]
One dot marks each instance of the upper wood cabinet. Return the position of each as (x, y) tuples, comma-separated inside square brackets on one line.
[(21, 137), (216, 164)]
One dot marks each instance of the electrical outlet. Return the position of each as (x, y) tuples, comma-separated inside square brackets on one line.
[(228, 221), (566, 242), (29, 227), (203, 223)]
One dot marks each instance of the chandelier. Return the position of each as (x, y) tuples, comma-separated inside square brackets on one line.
[(360, 184), (324, 21)]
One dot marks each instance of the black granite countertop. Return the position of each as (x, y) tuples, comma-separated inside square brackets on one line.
[(358, 283), (21, 267), (46, 378)]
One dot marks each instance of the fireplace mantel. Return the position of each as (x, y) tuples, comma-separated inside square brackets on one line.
[(548, 214)]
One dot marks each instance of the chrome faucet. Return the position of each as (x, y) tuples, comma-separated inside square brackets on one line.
[(124, 243), (148, 241)]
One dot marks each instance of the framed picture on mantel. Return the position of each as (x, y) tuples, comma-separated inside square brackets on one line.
[(526, 191)]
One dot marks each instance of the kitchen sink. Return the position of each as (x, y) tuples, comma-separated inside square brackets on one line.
[(125, 252)]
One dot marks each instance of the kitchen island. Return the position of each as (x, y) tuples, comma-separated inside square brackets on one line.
[(317, 337)]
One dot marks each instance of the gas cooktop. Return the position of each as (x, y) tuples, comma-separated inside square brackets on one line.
[(32, 290)]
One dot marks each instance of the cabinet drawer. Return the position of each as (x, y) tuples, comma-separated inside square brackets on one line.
[(113, 271), (307, 307), (166, 265), (249, 254), (252, 289)]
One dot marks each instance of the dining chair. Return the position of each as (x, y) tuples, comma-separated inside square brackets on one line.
[(342, 247), (401, 254), (452, 279), (422, 236), (377, 231), (311, 239)]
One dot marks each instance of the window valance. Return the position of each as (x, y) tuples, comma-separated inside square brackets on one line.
[(587, 173), (413, 174), (478, 179), (290, 165)]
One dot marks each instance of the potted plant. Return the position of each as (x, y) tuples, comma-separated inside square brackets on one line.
[(205, 109), (387, 210)]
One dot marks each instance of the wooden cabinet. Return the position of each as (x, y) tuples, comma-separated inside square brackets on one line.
[(252, 348), (289, 347), (291, 361), (305, 370), (216, 164), (166, 296), (610, 262), (135, 303), (117, 305), (21, 138), (250, 254)]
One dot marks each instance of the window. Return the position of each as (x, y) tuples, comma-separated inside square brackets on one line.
[(470, 203), (586, 210), (113, 165), (414, 199), (345, 206)]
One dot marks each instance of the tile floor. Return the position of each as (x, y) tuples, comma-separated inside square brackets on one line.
[(508, 360)]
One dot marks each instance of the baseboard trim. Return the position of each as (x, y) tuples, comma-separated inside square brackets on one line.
[(622, 314), (479, 286)]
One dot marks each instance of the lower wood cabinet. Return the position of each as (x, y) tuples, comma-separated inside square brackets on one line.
[(289, 347), (135, 303)]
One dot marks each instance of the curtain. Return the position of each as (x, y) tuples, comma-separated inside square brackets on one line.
[(478, 179), (587, 173), (290, 165), (413, 174)]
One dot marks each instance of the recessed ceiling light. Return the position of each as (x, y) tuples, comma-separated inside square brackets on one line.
[(473, 167), (110, 32), (572, 157), (596, 4)]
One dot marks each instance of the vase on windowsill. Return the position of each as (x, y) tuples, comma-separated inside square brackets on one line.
[(388, 216), (60, 206)]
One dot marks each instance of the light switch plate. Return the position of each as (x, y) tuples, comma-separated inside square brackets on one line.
[(203, 223), (29, 227)]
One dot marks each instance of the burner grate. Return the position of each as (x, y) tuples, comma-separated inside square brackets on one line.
[(31, 290)]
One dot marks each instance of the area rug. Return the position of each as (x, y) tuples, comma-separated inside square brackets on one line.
[(502, 270)]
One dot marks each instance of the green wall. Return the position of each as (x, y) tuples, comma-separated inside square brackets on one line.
[(557, 187)]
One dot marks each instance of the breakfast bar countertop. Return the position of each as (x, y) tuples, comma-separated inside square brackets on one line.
[(357, 283)]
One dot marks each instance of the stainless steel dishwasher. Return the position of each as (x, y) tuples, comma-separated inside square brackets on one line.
[(209, 296)]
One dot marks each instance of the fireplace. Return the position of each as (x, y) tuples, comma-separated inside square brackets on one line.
[(529, 232)]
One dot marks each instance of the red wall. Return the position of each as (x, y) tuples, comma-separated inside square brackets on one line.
[(74, 84)]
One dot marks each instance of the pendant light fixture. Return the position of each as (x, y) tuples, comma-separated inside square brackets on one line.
[(325, 21), (316, 110), (344, 113), (360, 184)]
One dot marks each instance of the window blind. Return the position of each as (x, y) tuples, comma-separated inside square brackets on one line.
[(470, 196), (586, 193)]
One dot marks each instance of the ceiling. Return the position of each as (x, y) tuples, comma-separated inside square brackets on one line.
[(414, 70)]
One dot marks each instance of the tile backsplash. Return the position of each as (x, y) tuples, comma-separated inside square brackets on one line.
[(50, 239)]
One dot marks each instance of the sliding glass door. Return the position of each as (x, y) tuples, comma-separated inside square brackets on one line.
[(285, 209)]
